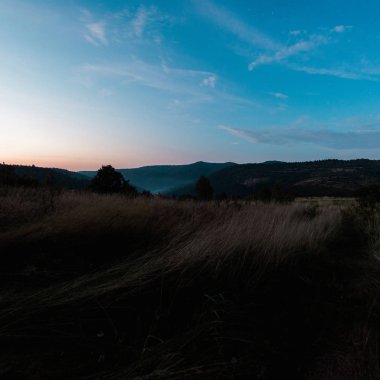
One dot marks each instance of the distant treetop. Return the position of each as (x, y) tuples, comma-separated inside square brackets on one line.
[(204, 188), (109, 181)]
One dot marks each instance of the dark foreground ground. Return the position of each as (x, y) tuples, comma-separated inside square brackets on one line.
[(104, 287)]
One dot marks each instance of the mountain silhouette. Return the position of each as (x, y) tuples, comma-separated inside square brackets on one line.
[(167, 178)]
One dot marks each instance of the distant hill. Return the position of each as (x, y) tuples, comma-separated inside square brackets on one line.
[(62, 177), (166, 178), (314, 178)]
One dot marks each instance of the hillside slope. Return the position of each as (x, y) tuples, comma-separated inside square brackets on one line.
[(314, 178), (164, 178), (39, 175)]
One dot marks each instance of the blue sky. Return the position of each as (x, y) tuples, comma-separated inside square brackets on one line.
[(131, 83)]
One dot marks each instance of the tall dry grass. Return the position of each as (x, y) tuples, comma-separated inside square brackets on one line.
[(162, 235), (118, 288)]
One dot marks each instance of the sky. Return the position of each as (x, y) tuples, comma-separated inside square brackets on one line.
[(130, 83)]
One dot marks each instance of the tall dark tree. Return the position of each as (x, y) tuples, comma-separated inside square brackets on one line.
[(204, 189), (109, 181)]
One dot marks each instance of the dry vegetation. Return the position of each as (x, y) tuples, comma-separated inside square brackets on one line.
[(106, 287)]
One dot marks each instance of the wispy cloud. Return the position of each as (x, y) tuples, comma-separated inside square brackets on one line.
[(360, 73), (142, 19), (232, 24), (96, 33), (161, 77), (338, 140), (288, 56), (210, 81), (279, 95), (288, 51), (341, 28), (269, 51), (239, 133), (132, 25), (137, 26), (172, 80)]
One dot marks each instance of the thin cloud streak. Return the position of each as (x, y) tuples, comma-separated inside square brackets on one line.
[(96, 34), (341, 28), (360, 74), (286, 52), (232, 24), (354, 139), (239, 133), (159, 77), (132, 25), (275, 52), (144, 22), (171, 80), (279, 95)]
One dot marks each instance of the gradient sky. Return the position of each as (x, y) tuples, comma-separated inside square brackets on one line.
[(131, 83)]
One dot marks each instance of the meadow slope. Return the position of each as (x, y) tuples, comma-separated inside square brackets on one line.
[(107, 287)]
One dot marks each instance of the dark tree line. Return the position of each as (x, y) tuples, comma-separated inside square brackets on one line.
[(277, 194), (109, 181), (9, 177)]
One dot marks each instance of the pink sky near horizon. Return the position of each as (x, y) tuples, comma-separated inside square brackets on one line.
[(80, 164)]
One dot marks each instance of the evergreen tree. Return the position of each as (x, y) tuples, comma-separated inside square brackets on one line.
[(204, 188), (109, 181)]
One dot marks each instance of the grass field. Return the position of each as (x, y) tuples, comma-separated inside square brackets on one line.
[(106, 287)]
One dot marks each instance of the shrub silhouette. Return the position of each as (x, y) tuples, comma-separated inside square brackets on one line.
[(146, 194), (369, 196), (109, 181), (281, 195), (204, 189), (263, 194)]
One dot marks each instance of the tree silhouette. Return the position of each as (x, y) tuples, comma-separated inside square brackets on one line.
[(7, 175), (204, 188), (109, 181)]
